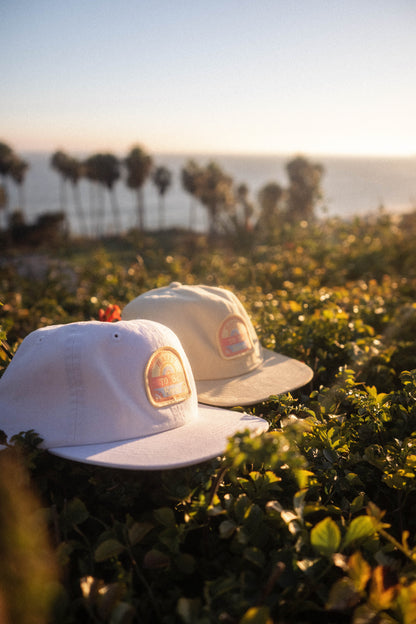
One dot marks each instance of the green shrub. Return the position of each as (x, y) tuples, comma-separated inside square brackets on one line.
[(313, 521)]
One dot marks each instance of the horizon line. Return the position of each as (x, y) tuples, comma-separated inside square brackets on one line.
[(228, 153)]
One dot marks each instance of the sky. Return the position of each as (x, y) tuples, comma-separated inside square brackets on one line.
[(334, 77)]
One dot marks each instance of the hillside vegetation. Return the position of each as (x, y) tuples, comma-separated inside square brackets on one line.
[(314, 521)]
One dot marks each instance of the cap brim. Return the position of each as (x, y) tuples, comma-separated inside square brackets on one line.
[(277, 374), (198, 441)]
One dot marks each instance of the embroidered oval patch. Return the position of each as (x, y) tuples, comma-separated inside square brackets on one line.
[(165, 378), (234, 338)]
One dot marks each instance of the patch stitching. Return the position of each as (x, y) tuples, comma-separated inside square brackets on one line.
[(234, 338), (172, 385)]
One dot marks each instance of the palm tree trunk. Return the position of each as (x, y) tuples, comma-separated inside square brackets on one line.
[(6, 205), (116, 211), (21, 199), (140, 209), (161, 213), (62, 195), (92, 209), (213, 220), (100, 210), (79, 210), (191, 213)]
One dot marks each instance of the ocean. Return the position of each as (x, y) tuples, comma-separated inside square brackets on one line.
[(351, 186)]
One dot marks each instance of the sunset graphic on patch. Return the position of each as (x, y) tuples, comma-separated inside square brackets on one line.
[(234, 339), (166, 381)]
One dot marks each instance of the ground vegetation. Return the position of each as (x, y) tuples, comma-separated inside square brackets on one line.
[(311, 522)]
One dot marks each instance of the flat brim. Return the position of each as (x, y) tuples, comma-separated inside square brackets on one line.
[(200, 440), (277, 374)]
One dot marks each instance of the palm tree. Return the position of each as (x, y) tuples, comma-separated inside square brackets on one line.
[(17, 173), (139, 165), (3, 197), (215, 190), (108, 169), (58, 162), (6, 159), (162, 179), (304, 189), (269, 197), (74, 172), (191, 177), (242, 194), (91, 173), (70, 170)]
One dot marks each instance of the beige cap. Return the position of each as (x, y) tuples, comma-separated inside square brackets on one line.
[(229, 365)]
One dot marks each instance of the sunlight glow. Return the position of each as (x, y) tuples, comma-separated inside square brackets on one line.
[(228, 78)]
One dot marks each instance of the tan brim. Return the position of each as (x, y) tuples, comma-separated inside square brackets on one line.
[(278, 374)]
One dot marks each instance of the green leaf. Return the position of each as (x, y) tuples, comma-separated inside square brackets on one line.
[(76, 512), (138, 530), (123, 613), (357, 504), (108, 549), (107, 598), (186, 563), (359, 529), (364, 614), (255, 556), (299, 502), (227, 528), (165, 516), (63, 553), (156, 560), (242, 504), (188, 609), (326, 537), (342, 596)]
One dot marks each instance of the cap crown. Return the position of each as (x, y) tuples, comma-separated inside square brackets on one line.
[(92, 382), (211, 323)]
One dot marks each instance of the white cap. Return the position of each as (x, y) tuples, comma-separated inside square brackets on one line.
[(114, 394), (229, 364)]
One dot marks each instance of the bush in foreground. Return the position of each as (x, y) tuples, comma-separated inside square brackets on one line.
[(313, 521)]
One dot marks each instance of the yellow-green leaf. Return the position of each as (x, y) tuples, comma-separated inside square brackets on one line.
[(326, 537), (257, 615), (359, 528)]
